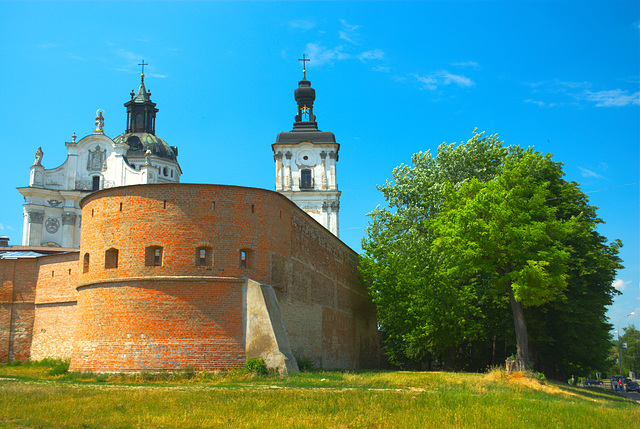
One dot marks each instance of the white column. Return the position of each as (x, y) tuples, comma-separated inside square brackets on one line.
[(68, 229), (279, 171), (335, 229)]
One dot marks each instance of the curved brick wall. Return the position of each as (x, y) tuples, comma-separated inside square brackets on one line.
[(136, 317)]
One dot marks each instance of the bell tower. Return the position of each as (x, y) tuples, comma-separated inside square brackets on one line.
[(141, 111), (306, 161)]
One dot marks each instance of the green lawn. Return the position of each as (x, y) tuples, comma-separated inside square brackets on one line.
[(29, 397)]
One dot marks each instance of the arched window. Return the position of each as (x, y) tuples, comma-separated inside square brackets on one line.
[(111, 259), (85, 263), (204, 256), (305, 179), (153, 256), (96, 183)]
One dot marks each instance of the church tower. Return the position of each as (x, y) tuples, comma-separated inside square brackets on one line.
[(306, 162), (52, 213)]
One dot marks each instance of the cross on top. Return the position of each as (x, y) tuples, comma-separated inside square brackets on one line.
[(143, 64), (304, 64)]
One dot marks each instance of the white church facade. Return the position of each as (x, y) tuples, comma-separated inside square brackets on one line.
[(52, 213), (306, 163)]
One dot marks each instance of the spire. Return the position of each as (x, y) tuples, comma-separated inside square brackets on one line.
[(141, 111), (305, 96)]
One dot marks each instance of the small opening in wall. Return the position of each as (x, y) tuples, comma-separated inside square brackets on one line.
[(52, 273), (111, 259), (120, 206), (171, 173), (85, 263), (213, 205), (253, 208), (166, 171), (69, 271), (91, 212), (133, 166), (204, 256), (165, 204), (280, 214), (153, 256), (245, 258), (95, 185)]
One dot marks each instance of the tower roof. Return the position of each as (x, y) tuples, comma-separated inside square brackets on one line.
[(305, 127), (141, 127)]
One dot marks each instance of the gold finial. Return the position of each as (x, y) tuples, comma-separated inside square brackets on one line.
[(142, 64)]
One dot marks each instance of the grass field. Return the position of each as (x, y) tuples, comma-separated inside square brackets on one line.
[(31, 397)]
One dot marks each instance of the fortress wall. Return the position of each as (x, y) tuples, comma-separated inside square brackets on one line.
[(132, 317), (181, 218), (324, 299), (17, 307), (159, 324), (54, 322)]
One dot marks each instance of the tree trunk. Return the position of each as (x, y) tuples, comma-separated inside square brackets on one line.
[(522, 339)]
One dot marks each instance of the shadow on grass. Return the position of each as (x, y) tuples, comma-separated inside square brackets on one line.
[(592, 393)]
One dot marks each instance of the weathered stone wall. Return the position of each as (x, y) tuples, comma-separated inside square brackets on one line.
[(324, 299)]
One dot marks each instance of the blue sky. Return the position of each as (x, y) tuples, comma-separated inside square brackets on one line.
[(391, 79)]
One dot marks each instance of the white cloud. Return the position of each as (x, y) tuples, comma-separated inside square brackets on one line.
[(443, 77), (620, 284), (471, 64), (128, 55), (613, 98), (349, 32), (539, 103), (319, 55), (455, 78), (302, 24), (158, 75), (8, 228), (381, 69), (427, 82), (375, 54), (589, 173)]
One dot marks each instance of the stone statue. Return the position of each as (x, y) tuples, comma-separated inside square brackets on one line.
[(39, 154), (99, 121)]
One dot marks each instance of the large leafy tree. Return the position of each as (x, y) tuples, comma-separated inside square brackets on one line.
[(419, 311), (505, 231), (424, 311)]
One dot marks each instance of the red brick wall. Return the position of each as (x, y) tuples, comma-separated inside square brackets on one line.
[(56, 295), (324, 307), (17, 307), (160, 324), (57, 278)]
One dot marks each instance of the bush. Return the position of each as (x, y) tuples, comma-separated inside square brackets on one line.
[(58, 366), (539, 376), (256, 366), (306, 365)]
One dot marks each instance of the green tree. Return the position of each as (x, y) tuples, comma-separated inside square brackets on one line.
[(505, 229), (420, 312), (425, 312), (631, 356)]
